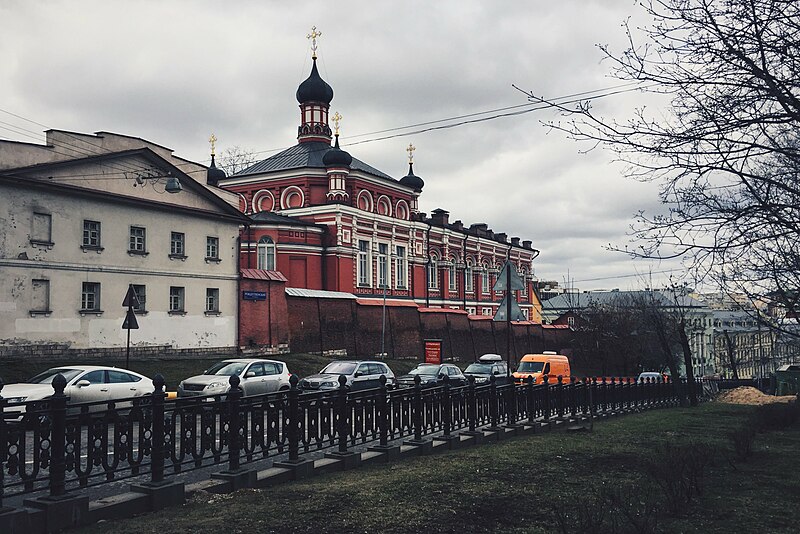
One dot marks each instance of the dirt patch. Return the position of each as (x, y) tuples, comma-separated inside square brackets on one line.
[(752, 396)]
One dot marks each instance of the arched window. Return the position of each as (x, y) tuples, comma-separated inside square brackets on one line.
[(266, 254), (485, 278), (452, 276), (433, 272), (468, 275)]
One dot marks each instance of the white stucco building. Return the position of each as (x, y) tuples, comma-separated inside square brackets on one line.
[(84, 216)]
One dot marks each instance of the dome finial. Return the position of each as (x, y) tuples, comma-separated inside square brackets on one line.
[(336, 118), (213, 141), (411, 148), (313, 36)]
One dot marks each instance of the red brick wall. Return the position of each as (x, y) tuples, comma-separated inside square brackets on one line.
[(263, 322)]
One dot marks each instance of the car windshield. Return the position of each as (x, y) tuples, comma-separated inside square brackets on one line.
[(425, 370), (479, 368), (339, 368), (48, 376), (530, 367), (226, 369)]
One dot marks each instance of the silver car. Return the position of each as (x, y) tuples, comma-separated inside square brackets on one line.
[(257, 377), (85, 383), (359, 375)]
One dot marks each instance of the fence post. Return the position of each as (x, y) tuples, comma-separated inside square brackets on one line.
[(58, 417), (3, 444), (157, 436), (472, 407), (341, 408), (294, 420), (573, 397), (546, 385), (531, 399), (560, 396), (234, 423), (511, 410), (495, 401), (447, 406), (613, 395), (382, 408)]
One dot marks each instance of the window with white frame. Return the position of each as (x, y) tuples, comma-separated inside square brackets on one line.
[(571, 320), (452, 276), (137, 242), (141, 295), (90, 296), (91, 234), (485, 279), (433, 272), (468, 277), (40, 297), (400, 267), (212, 248), (363, 263), (383, 264), (176, 299), (42, 228), (524, 277), (470, 310), (177, 245), (486, 311), (265, 259), (212, 300)]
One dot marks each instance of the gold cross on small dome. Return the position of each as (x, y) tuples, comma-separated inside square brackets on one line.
[(336, 118), (213, 141), (313, 36), (411, 148)]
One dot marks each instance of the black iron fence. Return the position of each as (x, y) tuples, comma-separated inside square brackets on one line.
[(56, 447)]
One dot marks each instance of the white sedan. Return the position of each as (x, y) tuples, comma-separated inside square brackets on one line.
[(85, 383)]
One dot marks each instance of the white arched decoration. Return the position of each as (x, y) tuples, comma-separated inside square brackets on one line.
[(265, 257), (452, 273), (384, 206), (485, 278), (263, 200), (469, 275), (433, 269), (364, 200), (401, 210), (243, 203), (292, 197)]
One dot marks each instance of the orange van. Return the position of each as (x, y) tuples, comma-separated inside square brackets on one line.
[(547, 364)]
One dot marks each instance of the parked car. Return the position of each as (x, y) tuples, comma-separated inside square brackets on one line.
[(487, 366), (256, 376), (432, 374), (650, 375), (85, 383), (359, 375)]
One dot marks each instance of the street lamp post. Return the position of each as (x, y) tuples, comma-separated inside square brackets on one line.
[(383, 323)]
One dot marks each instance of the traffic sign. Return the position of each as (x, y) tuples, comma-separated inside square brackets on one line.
[(131, 300), (516, 311), (508, 276), (130, 322)]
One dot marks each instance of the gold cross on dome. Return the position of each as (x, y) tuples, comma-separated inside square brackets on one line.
[(336, 118), (313, 36), (411, 148), (213, 141)]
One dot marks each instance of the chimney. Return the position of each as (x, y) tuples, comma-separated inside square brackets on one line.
[(501, 236), (527, 244), (478, 228), (458, 225), (422, 216), (440, 216), (515, 241)]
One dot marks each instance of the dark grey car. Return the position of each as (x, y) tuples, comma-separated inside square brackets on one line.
[(358, 374), (432, 374)]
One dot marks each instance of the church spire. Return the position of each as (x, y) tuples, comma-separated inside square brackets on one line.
[(314, 96)]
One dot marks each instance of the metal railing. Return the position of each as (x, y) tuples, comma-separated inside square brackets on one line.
[(54, 446)]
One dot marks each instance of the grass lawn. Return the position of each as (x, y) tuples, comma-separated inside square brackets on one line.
[(176, 370), (523, 485)]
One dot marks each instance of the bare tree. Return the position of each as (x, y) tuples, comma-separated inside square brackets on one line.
[(235, 159), (727, 150)]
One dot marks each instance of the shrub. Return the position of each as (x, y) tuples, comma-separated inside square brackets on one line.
[(679, 471), (742, 440)]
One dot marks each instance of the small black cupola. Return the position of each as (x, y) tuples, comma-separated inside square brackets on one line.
[(214, 174), (336, 157), (412, 180)]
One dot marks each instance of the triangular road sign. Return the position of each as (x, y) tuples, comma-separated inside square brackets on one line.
[(131, 300), (503, 277), (130, 322), (516, 311)]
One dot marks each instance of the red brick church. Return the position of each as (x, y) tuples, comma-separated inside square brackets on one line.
[(328, 221)]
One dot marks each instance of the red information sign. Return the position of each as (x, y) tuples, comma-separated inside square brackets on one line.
[(433, 351)]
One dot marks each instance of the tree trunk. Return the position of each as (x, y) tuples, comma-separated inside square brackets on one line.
[(687, 362), (731, 355)]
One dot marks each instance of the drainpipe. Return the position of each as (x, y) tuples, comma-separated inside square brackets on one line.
[(237, 319), (428, 267)]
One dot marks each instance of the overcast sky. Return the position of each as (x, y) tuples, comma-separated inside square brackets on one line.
[(173, 72)]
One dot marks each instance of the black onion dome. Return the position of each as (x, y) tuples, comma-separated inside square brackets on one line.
[(214, 174), (336, 156), (412, 180), (314, 88)]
